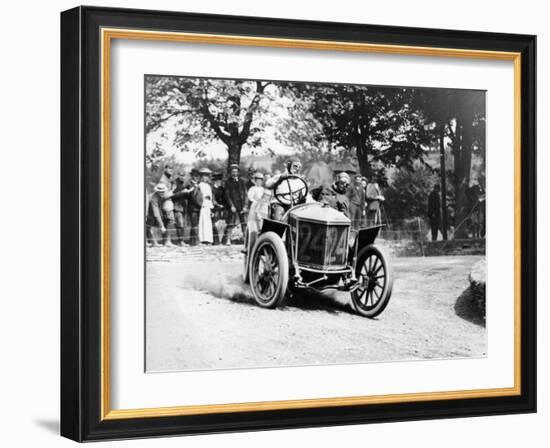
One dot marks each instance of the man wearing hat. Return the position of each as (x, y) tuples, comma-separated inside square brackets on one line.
[(180, 197), (374, 201), (237, 202), (167, 176), (250, 182), (220, 206), (167, 179), (357, 198), (159, 216), (194, 204), (434, 210)]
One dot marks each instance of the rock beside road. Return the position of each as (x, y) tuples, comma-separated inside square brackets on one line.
[(478, 279)]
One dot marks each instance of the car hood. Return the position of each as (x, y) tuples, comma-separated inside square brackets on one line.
[(320, 213)]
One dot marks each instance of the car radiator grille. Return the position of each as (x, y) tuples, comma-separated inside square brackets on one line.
[(322, 246)]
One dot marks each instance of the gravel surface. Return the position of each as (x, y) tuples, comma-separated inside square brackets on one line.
[(199, 315)]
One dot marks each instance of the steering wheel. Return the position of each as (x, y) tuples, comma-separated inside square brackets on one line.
[(290, 190)]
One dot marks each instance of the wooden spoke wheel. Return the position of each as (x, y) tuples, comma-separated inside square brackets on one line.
[(374, 272), (268, 271)]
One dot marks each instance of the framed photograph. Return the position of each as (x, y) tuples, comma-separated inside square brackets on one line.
[(272, 223)]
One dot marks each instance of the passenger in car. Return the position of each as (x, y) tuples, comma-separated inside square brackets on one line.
[(335, 195)]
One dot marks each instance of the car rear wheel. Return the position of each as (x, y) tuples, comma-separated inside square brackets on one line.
[(374, 272), (268, 270)]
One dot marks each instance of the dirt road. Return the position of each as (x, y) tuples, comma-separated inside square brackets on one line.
[(200, 315)]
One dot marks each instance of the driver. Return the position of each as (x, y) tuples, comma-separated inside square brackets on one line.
[(293, 167)]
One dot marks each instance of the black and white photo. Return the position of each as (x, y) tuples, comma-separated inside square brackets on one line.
[(295, 223)]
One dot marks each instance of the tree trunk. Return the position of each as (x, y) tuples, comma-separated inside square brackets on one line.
[(443, 182), (360, 130), (233, 155), (363, 158), (462, 178)]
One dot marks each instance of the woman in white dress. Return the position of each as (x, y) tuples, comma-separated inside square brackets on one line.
[(206, 234), (258, 206)]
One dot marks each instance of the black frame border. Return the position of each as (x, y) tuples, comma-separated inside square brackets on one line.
[(81, 223)]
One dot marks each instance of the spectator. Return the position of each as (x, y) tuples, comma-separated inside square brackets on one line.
[(357, 197), (167, 205), (250, 180), (434, 211), (374, 200), (206, 234), (257, 206), (236, 199), (194, 205), (220, 207), (364, 183), (179, 199), (158, 217), (166, 177), (476, 209)]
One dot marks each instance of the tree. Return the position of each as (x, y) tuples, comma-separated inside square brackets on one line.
[(467, 133), (408, 191), (456, 117), (204, 110), (378, 126), (435, 104)]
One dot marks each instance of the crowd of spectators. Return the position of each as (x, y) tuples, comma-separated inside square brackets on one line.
[(205, 207)]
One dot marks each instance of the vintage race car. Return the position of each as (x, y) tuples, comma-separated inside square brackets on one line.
[(313, 247)]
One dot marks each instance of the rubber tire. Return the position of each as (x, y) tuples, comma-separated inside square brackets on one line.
[(382, 254), (276, 243)]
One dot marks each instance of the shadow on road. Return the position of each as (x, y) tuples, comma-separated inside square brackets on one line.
[(466, 309), (315, 301)]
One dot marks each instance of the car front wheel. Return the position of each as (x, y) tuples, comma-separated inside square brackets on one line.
[(268, 272), (374, 272)]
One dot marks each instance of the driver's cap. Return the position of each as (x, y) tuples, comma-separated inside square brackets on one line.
[(343, 177)]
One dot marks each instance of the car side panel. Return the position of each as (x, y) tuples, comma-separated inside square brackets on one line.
[(270, 225)]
